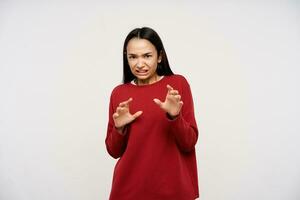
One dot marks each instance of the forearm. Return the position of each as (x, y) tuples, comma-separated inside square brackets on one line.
[(116, 142), (186, 134)]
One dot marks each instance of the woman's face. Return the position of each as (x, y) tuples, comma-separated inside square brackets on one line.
[(142, 59)]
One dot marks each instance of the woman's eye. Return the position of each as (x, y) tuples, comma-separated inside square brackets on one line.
[(148, 56)]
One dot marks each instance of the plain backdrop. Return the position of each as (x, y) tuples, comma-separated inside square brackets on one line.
[(59, 61)]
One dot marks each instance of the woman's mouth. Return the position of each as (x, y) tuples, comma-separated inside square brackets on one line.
[(141, 72)]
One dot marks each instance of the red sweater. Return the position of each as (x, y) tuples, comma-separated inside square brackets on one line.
[(157, 159)]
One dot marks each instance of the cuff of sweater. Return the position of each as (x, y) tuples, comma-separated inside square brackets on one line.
[(175, 123), (117, 137)]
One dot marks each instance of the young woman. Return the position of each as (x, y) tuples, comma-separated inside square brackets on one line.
[(151, 126)]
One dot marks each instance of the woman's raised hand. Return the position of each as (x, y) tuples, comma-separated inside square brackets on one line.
[(172, 104), (122, 116)]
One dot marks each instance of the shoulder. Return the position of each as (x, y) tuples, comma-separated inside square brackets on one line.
[(179, 79), (119, 89)]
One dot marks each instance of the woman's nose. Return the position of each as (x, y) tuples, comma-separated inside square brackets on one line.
[(140, 63)]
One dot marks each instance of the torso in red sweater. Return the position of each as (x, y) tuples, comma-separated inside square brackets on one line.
[(157, 159)]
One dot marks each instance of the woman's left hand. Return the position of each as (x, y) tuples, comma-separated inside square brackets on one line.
[(172, 104)]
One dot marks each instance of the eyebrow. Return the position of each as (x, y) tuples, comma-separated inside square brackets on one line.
[(143, 54)]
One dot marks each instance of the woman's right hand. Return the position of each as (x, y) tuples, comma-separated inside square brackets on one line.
[(122, 116)]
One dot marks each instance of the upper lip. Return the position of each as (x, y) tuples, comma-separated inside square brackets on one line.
[(141, 70)]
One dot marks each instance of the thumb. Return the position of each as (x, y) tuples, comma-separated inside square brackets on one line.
[(180, 105), (137, 114), (158, 102)]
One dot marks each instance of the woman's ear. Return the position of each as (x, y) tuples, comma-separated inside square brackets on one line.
[(160, 56)]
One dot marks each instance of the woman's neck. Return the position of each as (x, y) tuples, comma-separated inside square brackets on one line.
[(147, 82)]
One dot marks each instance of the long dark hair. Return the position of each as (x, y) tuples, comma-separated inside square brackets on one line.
[(163, 68)]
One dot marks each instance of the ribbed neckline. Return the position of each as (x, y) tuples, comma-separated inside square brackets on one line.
[(148, 85)]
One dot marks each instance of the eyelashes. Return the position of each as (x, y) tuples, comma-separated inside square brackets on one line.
[(145, 56)]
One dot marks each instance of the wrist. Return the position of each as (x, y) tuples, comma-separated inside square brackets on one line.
[(120, 129), (171, 117)]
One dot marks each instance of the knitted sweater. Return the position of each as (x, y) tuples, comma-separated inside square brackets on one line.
[(157, 159)]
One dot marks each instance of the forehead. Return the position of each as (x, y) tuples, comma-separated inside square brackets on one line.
[(137, 46)]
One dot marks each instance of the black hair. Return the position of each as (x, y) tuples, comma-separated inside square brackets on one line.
[(163, 69)]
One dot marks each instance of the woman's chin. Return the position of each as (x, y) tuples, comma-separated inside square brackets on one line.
[(142, 76)]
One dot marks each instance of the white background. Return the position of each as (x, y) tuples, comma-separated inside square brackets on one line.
[(59, 61)]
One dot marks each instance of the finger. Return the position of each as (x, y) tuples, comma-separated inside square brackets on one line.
[(130, 99), (158, 102), (137, 114), (180, 105), (174, 92), (169, 88), (120, 109), (122, 104), (125, 103), (115, 115), (178, 97)]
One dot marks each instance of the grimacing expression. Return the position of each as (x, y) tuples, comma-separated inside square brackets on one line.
[(143, 58)]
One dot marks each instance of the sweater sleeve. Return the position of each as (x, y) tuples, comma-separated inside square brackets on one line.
[(115, 142), (184, 126)]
